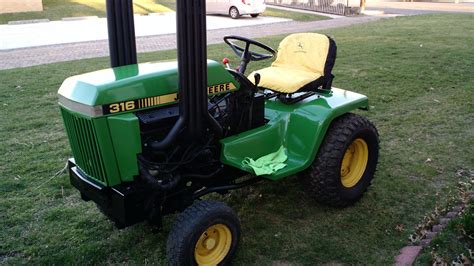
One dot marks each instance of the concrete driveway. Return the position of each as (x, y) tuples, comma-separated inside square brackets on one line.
[(60, 32)]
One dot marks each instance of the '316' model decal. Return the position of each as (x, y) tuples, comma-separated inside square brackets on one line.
[(138, 103), (159, 100)]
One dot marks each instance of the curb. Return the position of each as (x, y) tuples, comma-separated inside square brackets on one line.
[(29, 21), (160, 14), (79, 18)]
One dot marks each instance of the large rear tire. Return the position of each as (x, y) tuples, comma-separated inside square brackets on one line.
[(206, 233), (346, 162)]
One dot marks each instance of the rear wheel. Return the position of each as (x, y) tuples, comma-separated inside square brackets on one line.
[(206, 233), (254, 15), (346, 161), (234, 12)]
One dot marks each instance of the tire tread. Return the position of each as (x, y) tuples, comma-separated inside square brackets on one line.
[(320, 178), (187, 222)]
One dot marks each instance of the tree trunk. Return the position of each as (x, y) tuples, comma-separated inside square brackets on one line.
[(362, 6)]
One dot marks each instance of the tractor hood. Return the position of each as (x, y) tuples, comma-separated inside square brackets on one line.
[(133, 87)]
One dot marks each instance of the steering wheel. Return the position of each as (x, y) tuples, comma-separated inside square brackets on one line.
[(245, 54)]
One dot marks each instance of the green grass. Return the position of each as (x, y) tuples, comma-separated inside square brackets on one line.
[(57, 9), (417, 72), (298, 16), (171, 4)]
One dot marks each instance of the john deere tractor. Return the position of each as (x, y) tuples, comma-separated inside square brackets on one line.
[(154, 138)]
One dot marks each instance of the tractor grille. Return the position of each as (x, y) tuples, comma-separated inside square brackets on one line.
[(85, 148)]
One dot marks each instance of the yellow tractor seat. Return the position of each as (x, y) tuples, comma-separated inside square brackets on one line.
[(304, 63)]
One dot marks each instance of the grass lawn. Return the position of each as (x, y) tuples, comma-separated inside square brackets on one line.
[(418, 74), (298, 16), (57, 9)]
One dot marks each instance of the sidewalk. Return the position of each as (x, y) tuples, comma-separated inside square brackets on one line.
[(73, 51), (416, 8), (95, 29)]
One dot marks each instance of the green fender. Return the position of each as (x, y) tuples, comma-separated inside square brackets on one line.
[(299, 127)]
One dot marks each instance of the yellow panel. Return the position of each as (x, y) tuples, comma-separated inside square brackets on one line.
[(168, 98)]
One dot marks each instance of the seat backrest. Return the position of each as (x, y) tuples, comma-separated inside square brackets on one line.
[(310, 52)]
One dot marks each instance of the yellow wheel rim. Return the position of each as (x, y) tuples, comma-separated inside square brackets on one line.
[(354, 163), (213, 245)]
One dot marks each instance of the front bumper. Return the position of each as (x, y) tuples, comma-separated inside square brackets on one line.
[(124, 204)]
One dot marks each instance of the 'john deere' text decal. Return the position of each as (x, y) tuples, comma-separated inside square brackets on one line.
[(220, 88)]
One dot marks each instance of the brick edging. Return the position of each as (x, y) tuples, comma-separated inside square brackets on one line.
[(408, 254)]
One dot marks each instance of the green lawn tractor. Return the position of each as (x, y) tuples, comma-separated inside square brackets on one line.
[(154, 138)]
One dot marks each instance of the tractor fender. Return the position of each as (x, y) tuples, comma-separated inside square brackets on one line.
[(299, 127)]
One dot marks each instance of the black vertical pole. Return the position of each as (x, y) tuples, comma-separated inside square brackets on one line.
[(192, 72), (192, 63), (121, 31)]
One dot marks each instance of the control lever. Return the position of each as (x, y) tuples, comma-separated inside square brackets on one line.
[(226, 61), (257, 79)]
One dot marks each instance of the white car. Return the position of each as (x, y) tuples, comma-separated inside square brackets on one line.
[(236, 8)]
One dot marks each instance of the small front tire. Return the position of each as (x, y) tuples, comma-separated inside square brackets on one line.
[(206, 233), (234, 13)]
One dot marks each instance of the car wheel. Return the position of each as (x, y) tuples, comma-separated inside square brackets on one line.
[(234, 13), (254, 15)]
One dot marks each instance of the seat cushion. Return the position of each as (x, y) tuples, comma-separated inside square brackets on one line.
[(302, 58), (284, 79), (303, 51)]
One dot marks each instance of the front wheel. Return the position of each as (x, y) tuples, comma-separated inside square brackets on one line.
[(234, 13), (206, 233), (254, 15), (346, 161)]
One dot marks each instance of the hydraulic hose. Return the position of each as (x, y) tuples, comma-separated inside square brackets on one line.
[(151, 180)]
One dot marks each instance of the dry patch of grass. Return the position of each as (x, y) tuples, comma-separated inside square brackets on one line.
[(57, 9)]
